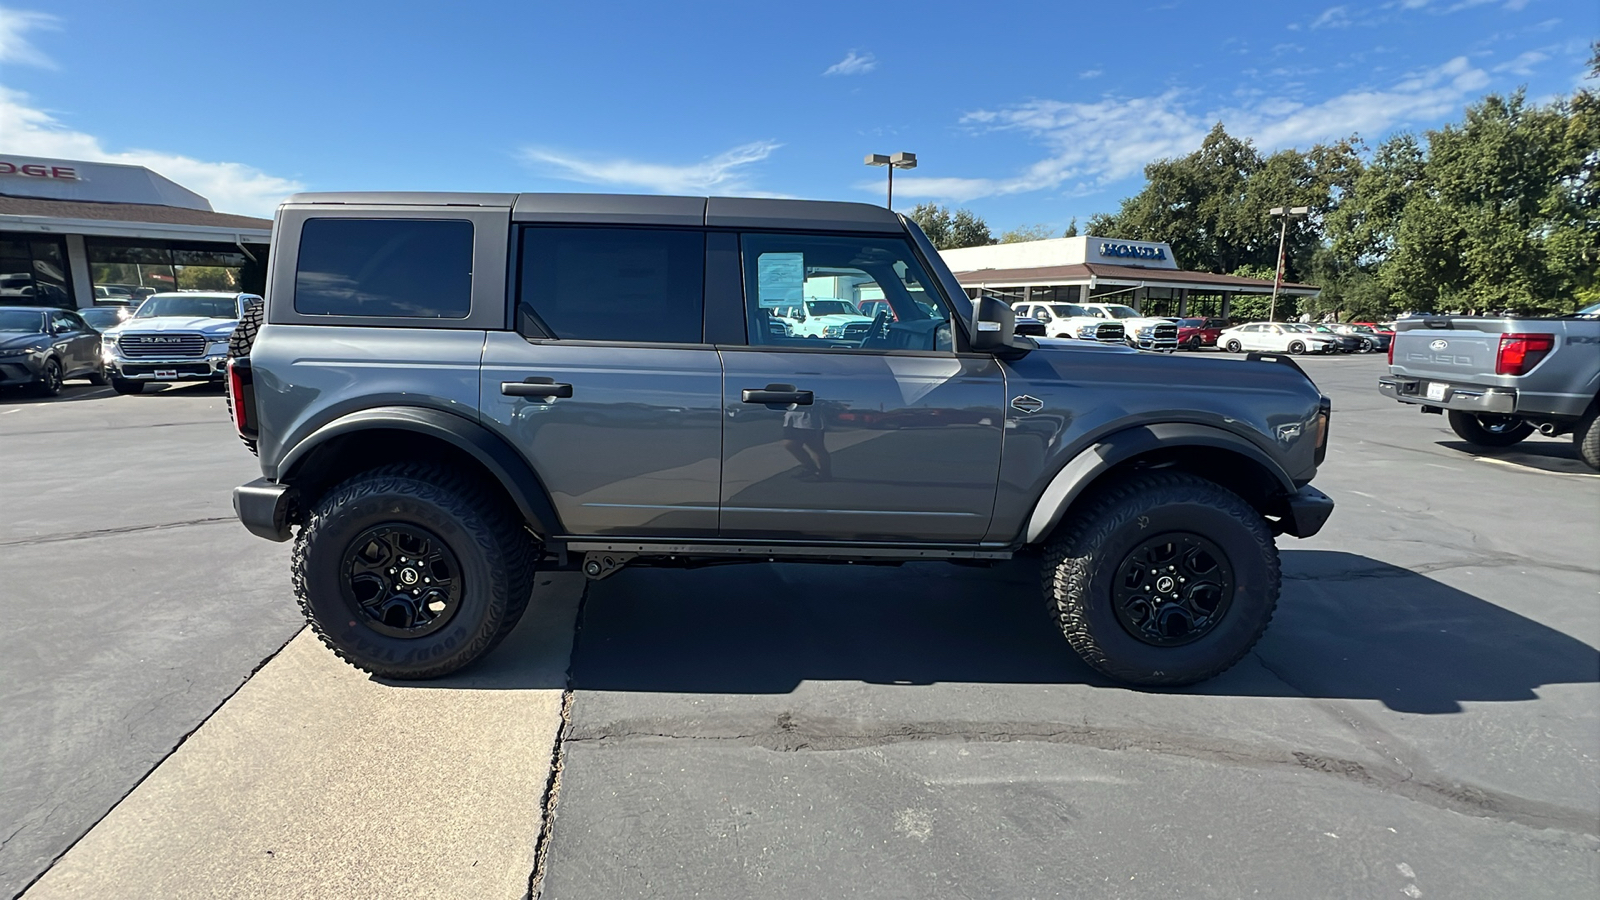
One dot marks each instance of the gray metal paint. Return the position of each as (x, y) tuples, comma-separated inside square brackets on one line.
[(402, 198), (635, 450), (309, 375), (1563, 384), (913, 439), (609, 209), (799, 215)]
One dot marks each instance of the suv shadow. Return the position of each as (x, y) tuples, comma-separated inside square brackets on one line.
[(1347, 627)]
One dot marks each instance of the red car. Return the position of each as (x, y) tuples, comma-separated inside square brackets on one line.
[(1196, 333)]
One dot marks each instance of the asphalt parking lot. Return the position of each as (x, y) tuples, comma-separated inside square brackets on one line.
[(1422, 718)]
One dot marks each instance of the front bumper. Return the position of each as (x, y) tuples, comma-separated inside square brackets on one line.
[(210, 368), (265, 508), (1463, 397), (1307, 511), (20, 370)]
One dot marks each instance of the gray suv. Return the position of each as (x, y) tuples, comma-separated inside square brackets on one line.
[(449, 391)]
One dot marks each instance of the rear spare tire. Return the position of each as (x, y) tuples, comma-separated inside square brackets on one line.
[(411, 571), (239, 344), (1162, 578), (1489, 430)]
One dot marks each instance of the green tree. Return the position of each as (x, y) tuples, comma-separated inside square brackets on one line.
[(949, 230), (1027, 233), (1072, 228)]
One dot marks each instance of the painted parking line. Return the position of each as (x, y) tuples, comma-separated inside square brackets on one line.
[(317, 781), (1510, 464)]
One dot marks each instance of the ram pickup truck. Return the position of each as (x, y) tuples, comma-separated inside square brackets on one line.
[(177, 336), (450, 391), (1500, 379), (1144, 332)]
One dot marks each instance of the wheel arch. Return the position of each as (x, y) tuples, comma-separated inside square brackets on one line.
[(1208, 452), (378, 436)]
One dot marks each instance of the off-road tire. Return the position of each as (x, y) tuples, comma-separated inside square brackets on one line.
[(239, 344), (1586, 437), (1497, 431), (480, 529), (1234, 346), (126, 386), (1082, 560), (50, 378)]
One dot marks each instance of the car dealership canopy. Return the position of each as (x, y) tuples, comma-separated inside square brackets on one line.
[(1084, 269), (78, 234)]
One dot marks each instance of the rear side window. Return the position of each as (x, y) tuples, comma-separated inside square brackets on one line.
[(615, 284), (400, 268)]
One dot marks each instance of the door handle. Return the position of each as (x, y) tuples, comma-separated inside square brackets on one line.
[(776, 393), (535, 387)]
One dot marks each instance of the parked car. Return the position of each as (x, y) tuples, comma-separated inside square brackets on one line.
[(1372, 339), (1500, 379), (1069, 320), (1276, 337), (101, 318), (1196, 333), (428, 451), (181, 336), (43, 346), (826, 317), (1144, 332), (1343, 343)]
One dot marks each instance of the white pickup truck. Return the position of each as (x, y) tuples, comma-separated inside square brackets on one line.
[(1499, 379), (180, 336), (824, 317), (1144, 332), (1069, 320)]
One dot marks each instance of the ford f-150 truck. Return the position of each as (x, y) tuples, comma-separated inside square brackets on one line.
[(1500, 379)]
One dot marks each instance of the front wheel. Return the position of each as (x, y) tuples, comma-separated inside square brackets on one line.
[(49, 383), (1297, 347), (1162, 579), (1489, 430), (1234, 347), (410, 571)]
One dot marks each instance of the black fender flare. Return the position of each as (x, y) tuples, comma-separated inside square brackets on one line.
[(491, 451), (1094, 460)]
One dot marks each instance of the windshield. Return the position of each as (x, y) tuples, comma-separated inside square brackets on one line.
[(1590, 310), (21, 320), (1068, 310), (830, 308), (1192, 323), (1119, 311), (205, 307)]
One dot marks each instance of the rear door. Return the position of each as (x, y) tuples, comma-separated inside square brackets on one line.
[(892, 437), (608, 386)]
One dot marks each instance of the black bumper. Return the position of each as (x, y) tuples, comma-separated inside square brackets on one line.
[(264, 507), (1308, 511)]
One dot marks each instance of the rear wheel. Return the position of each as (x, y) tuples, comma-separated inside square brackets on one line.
[(1489, 430), (1162, 579), (1587, 437), (126, 386), (1234, 346), (99, 378), (410, 571), (1297, 347)]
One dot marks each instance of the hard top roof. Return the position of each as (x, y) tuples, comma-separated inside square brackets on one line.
[(638, 209)]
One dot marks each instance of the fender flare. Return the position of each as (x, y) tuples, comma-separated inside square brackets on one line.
[(1096, 459), (492, 452)]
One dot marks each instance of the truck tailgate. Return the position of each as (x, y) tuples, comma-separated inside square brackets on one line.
[(1449, 350)]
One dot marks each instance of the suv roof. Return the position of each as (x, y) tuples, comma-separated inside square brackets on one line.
[(637, 209)]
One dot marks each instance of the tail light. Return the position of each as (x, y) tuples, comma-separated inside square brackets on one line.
[(242, 396), (1519, 353), (1393, 339)]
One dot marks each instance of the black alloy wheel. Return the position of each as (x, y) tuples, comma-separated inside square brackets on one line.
[(403, 579), (50, 378), (1172, 589)]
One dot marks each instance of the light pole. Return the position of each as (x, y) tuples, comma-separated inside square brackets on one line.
[(897, 161), (1284, 213)]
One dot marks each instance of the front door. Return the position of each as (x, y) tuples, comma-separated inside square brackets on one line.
[(878, 434)]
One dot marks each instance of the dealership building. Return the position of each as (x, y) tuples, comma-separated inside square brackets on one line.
[(80, 234), (1140, 274)]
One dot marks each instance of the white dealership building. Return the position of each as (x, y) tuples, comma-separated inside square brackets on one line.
[(75, 233), (1085, 269)]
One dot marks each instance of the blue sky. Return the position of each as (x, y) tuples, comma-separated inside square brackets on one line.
[(1028, 113)]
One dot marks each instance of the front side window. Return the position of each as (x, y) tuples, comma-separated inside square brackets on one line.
[(615, 284), (806, 292), (399, 268)]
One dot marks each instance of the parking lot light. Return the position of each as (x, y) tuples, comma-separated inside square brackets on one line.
[(1293, 212), (900, 160)]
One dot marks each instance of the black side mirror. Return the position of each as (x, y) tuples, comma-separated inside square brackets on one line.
[(994, 325)]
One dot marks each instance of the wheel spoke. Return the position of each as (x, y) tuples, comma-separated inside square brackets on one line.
[(401, 579), (1172, 589)]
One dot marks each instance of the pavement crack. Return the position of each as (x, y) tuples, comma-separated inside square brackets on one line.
[(795, 734), (558, 760), (125, 529)]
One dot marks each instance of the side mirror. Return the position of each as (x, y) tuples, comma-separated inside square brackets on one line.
[(994, 325)]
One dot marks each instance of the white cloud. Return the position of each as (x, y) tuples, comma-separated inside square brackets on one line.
[(1092, 73), (230, 186), (724, 173), (1092, 144), (1333, 17), (14, 46), (1523, 65), (853, 64)]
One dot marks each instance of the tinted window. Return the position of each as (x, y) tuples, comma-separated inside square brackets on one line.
[(405, 268), (615, 284)]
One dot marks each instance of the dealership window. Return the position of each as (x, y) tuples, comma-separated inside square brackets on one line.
[(125, 270), (399, 268), (1159, 302), (33, 271), (615, 284)]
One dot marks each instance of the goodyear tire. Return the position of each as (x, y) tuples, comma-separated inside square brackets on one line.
[(239, 344), (1587, 437), (410, 571), (1489, 430), (1162, 579)]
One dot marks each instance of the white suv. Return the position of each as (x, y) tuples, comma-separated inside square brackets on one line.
[(1069, 320)]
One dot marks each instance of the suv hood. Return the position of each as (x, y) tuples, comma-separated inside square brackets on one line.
[(16, 340), (177, 323)]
